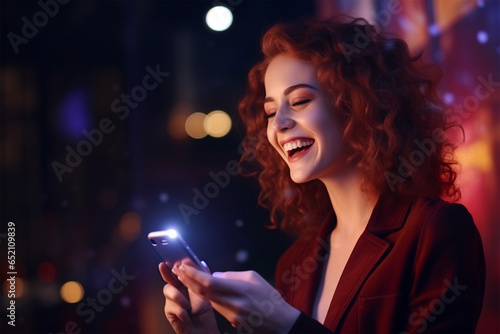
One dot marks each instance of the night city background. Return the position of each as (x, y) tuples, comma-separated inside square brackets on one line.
[(104, 138)]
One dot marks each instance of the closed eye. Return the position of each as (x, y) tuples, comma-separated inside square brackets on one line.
[(267, 116), (301, 103)]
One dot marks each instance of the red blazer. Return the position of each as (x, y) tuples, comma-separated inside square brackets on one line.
[(417, 268)]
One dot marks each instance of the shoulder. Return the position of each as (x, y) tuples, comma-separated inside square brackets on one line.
[(427, 205), (430, 215), (444, 231)]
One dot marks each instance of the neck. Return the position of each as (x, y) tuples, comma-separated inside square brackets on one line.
[(353, 207)]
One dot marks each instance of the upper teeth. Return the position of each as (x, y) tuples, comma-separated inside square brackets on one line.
[(296, 144)]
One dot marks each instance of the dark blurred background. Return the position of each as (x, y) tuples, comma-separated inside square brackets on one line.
[(95, 96)]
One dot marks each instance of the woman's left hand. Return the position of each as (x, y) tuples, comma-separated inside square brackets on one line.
[(244, 298)]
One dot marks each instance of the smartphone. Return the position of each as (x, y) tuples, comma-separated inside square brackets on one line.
[(173, 249)]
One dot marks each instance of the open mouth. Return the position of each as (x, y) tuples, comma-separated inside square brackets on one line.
[(295, 147)]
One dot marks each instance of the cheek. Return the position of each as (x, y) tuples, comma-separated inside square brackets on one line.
[(269, 135), (334, 142), (331, 132), (271, 138)]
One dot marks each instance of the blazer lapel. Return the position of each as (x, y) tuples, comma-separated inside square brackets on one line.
[(367, 254), (309, 268)]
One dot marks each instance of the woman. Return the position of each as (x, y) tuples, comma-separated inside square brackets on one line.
[(354, 162)]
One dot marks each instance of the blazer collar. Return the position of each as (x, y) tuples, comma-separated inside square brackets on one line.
[(388, 215)]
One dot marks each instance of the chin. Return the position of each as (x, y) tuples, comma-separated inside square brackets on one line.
[(299, 177)]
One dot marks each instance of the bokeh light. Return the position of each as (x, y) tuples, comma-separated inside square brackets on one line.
[(74, 114), (219, 18), (242, 255), (434, 30), (194, 125), (175, 126), (448, 98), (217, 123), (130, 226), (163, 197), (72, 292), (46, 272), (482, 37), (125, 301), (21, 287)]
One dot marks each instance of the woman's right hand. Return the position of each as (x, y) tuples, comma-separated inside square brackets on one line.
[(186, 311)]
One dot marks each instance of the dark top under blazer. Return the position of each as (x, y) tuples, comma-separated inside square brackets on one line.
[(417, 268)]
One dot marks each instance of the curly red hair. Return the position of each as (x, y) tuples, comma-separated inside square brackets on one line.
[(389, 107)]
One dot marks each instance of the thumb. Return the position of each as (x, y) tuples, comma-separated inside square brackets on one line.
[(205, 266), (249, 276)]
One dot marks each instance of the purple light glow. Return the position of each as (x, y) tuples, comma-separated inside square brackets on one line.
[(73, 116), (482, 37), (434, 30), (448, 98)]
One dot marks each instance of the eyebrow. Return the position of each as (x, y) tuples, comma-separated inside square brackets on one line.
[(291, 89)]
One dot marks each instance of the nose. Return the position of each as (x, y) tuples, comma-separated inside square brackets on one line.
[(282, 120)]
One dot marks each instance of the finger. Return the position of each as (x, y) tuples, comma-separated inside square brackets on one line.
[(192, 277), (205, 265), (228, 311), (209, 287), (173, 311), (245, 276), (173, 294), (168, 276)]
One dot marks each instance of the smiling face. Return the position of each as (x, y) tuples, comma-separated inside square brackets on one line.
[(301, 126)]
